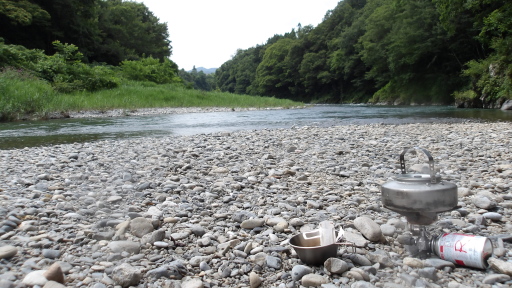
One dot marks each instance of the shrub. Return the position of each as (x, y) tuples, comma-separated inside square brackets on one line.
[(68, 74), (151, 69)]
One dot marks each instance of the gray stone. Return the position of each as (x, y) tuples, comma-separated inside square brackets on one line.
[(507, 105), (362, 284), (8, 251), (313, 280), (368, 228), (173, 270), (197, 230), (413, 262), (336, 266), (35, 278), (254, 280), (273, 262), (429, 273), (124, 246), (192, 283), (54, 273), (409, 280), (204, 266), (197, 260), (496, 278), (387, 229), (357, 239), (381, 257), (438, 263), (298, 271), (51, 253), (125, 275), (501, 266), (493, 216), (252, 223), (483, 202), (53, 284), (141, 226)]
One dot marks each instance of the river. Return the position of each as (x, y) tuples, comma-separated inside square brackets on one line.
[(18, 135)]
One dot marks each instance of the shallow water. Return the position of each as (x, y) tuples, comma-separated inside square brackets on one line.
[(49, 132)]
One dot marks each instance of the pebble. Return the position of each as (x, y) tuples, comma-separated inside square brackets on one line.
[(192, 283), (8, 251), (313, 280), (254, 280), (368, 228), (336, 266), (220, 208), (496, 278), (298, 271), (126, 275), (387, 229), (252, 223)]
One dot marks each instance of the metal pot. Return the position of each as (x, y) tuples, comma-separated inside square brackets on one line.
[(307, 246), (419, 197)]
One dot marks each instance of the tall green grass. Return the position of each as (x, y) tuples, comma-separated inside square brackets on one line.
[(23, 96), (133, 95)]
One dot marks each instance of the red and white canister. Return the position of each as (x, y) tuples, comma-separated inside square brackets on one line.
[(463, 249)]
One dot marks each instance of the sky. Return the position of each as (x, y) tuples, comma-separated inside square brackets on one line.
[(207, 33)]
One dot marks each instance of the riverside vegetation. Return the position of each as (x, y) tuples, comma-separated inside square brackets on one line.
[(35, 85)]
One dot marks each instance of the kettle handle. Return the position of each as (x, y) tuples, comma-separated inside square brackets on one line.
[(430, 162)]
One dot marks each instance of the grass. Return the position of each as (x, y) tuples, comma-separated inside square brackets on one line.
[(22, 98)]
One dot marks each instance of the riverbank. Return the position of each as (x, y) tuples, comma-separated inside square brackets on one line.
[(156, 111), (216, 210)]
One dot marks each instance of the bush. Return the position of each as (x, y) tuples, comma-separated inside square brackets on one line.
[(18, 56), (67, 73), (151, 69)]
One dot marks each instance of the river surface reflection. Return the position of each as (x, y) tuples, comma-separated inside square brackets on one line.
[(50, 132)]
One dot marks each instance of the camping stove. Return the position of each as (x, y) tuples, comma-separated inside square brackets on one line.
[(419, 197)]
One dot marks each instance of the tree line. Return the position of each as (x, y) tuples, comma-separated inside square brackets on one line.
[(385, 51), (105, 31)]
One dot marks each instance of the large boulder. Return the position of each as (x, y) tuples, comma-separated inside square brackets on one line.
[(507, 105)]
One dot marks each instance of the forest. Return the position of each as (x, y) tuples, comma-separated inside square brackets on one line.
[(364, 51), (386, 51)]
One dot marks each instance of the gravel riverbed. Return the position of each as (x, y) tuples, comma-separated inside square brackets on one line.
[(217, 210)]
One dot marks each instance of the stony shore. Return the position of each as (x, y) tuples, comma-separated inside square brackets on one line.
[(217, 210), (147, 111)]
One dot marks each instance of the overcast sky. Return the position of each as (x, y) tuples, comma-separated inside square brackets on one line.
[(206, 33)]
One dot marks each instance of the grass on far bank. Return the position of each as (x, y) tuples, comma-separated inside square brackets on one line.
[(22, 98)]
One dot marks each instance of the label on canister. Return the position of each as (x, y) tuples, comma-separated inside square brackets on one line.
[(466, 250)]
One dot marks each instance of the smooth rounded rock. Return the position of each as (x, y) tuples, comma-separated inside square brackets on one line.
[(254, 280), (298, 271), (124, 246), (313, 280), (141, 226), (8, 251), (252, 223), (35, 278), (126, 275), (54, 273), (368, 228)]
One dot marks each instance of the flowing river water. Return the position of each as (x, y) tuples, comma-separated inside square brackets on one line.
[(18, 135)]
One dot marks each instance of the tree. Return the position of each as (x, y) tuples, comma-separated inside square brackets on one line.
[(271, 78), (130, 32)]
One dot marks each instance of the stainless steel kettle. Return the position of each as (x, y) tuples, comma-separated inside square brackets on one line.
[(419, 197)]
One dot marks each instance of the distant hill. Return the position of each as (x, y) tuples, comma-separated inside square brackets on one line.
[(205, 70)]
